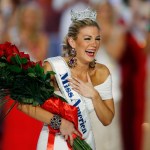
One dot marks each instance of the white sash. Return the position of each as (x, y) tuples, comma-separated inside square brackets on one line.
[(73, 98)]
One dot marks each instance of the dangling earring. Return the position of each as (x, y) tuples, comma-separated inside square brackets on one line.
[(72, 61), (72, 52), (92, 64)]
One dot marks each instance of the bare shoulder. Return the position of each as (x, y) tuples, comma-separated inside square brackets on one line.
[(102, 70), (101, 73), (47, 67)]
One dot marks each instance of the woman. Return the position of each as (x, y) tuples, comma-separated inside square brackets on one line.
[(27, 32), (111, 49), (89, 81)]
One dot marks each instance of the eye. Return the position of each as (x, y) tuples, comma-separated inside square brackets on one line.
[(87, 38), (98, 38)]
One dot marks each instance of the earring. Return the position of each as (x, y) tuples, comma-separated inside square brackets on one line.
[(92, 64), (72, 52), (72, 61)]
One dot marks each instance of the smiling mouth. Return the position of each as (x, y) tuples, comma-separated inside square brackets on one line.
[(90, 53)]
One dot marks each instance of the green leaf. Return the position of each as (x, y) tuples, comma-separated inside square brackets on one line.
[(3, 58), (15, 68), (31, 70), (52, 72), (16, 59), (2, 64), (27, 100), (38, 69), (48, 75), (13, 60), (31, 75), (35, 103), (24, 60)]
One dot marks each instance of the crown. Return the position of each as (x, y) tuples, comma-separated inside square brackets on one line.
[(80, 15)]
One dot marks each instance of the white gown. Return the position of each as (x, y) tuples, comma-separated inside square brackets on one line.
[(105, 92), (107, 140)]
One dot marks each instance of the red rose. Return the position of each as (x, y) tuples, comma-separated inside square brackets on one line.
[(23, 55), (9, 58), (1, 47), (29, 64), (8, 50), (14, 49), (4, 46), (11, 50), (1, 53)]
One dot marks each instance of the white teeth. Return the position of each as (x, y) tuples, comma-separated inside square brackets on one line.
[(90, 51)]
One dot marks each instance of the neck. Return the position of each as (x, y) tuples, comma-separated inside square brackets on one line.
[(80, 69)]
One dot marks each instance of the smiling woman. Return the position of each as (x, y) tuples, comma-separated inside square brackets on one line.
[(89, 79)]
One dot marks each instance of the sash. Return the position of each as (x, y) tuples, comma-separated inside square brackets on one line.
[(62, 71)]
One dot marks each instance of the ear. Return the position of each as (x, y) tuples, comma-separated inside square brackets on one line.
[(71, 42)]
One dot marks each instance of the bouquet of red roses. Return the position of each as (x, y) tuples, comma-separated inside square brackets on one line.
[(26, 83)]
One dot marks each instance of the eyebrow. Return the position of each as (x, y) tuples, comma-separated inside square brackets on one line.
[(91, 36)]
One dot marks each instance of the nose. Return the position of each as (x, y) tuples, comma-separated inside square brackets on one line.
[(93, 43)]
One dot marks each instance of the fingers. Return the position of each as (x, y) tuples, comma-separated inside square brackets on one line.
[(71, 140), (77, 80), (65, 137), (75, 87), (75, 84), (74, 81), (77, 133)]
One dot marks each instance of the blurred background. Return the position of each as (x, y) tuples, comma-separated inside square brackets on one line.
[(39, 26)]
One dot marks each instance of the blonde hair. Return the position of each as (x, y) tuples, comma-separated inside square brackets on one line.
[(74, 29), (37, 11)]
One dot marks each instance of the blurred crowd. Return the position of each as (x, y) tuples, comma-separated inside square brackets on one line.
[(39, 26)]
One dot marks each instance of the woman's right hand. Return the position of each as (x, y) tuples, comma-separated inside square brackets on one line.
[(67, 129)]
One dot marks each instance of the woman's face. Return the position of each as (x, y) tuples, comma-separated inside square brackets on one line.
[(87, 43), (105, 12), (30, 18)]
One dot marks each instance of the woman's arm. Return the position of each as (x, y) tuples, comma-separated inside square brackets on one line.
[(36, 112), (103, 108), (66, 127)]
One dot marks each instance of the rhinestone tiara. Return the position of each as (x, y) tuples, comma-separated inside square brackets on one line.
[(80, 15)]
